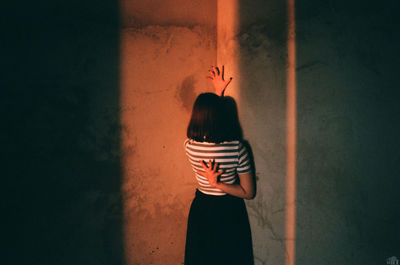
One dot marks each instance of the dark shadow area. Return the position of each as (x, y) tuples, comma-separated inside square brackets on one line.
[(348, 157), (262, 110), (61, 134), (262, 60)]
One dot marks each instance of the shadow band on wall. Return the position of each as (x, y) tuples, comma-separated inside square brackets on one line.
[(63, 178)]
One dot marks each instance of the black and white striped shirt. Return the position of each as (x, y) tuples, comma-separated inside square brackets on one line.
[(232, 157)]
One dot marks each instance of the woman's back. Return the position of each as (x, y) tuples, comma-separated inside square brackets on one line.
[(218, 231), (231, 156)]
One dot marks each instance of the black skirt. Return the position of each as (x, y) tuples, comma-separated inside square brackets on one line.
[(218, 231)]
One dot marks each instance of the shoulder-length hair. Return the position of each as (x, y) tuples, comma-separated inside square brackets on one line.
[(214, 119)]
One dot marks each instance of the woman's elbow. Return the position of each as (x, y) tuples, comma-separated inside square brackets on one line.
[(250, 195)]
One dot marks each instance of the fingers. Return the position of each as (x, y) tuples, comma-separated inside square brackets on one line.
[(211, 170), (216, 169), (203, 164), (217, 69), (216, 72), (201, 173), (212, 72), (210, 166)]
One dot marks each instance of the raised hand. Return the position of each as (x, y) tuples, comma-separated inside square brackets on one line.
[(218, 80), (211, 172)]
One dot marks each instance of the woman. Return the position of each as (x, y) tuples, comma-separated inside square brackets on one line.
[(218, 229)]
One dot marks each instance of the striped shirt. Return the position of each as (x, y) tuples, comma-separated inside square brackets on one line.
[(232, 157)]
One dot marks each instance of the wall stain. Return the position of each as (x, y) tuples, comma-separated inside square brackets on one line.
[(186, 92)]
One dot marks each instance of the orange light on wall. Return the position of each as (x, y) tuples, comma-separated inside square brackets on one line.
[(291, 138), (161, 67), (227, 45), (166, 48)]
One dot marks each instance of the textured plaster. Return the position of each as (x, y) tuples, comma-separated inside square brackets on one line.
[(89, 108), (163, 71), (345, 82), (345, 140)]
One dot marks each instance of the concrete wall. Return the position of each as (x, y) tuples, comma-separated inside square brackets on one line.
[(262, 58), (87, 114), (135, 13), (347, 132), (164, 62), (346, 113)]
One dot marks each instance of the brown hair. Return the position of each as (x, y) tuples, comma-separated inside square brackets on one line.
[(214, 119)]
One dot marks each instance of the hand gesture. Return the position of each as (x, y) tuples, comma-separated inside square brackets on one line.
[(218, 80), (211, 172)]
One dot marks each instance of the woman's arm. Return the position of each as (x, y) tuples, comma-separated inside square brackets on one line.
[(218, 80), (244, 189)]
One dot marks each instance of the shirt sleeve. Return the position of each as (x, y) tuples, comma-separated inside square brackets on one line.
[(244, 160), (185, 143)]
